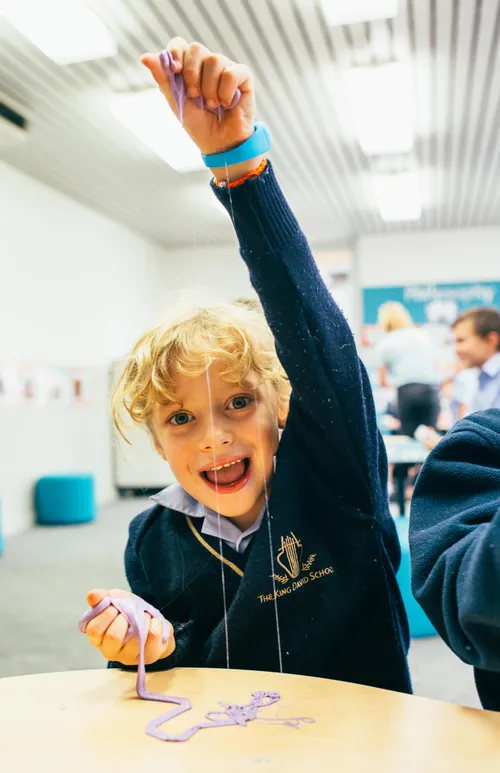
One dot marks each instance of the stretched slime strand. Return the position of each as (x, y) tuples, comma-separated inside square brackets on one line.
[(133, 609), (178, 88)]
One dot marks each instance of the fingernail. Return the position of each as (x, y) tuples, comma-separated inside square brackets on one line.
[(192, 92), (211, 104), (156, 626)]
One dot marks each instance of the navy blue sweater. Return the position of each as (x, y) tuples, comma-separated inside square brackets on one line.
[(335, 548), (455, 546)]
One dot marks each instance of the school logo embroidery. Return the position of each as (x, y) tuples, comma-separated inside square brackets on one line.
[(297, 572), (290, 559)]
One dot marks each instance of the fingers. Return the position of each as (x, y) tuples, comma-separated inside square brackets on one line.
[(95, 596), (152, 62), (98, 627), (233, 77), (114, 638), (128, 653), (213, 67), (213, 76), (177, 48), (155, 647), (194, 58)]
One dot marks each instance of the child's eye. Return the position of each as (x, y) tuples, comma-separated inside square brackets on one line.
[(240, 402), (179, 419)]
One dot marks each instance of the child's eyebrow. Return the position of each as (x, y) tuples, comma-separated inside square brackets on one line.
[(168, 405), (248, 384)]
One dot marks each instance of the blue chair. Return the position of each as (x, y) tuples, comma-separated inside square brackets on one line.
[(65, 499), (420, 625)]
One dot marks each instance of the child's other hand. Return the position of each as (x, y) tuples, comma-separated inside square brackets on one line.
[(107, 632), (216, 78)]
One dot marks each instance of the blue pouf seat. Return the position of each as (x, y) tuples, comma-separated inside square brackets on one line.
[(65, 499), (420, 625)]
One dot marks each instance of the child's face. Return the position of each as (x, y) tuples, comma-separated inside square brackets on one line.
[(220, 424)]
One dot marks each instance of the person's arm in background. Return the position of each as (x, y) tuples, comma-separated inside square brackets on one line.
[(382, 376), (455, 539), (382, 362)]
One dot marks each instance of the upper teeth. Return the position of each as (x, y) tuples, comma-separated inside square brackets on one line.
[(229, 464)]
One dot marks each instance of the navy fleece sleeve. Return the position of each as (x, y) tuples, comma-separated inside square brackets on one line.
[(455, 539), (313, 340)]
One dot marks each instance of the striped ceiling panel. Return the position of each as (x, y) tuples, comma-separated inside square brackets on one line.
[(300, 64)]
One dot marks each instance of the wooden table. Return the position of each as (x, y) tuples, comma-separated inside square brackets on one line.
[(76, 722)]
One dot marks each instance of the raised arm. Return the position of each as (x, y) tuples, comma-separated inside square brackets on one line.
[(313, 338), (314, 341)]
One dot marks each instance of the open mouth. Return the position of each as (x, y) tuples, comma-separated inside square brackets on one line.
[(228, 477)]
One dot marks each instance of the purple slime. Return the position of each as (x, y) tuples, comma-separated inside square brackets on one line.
[(178, 89), (133, 609)]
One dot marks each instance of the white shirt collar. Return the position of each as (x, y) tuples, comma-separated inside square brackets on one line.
[(492, 366), (176, 498)]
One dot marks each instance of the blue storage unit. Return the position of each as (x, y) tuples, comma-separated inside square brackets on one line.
[(65, 499), (420, 624)]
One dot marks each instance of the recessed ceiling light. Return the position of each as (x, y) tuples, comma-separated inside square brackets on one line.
[(380, 101), (398, 196), (340, 12), (67, 31), (147, 115)]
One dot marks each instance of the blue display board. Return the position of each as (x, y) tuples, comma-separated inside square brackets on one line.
[(431, 303)]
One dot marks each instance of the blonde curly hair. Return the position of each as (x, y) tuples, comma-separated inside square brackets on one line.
[(392, 315), (192, 338)]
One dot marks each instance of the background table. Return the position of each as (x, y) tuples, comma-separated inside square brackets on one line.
[(91, 721)]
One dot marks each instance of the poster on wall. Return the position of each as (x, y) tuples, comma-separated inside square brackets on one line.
[(434, 306), (435, 303), (81, 385), (44, 385), (58, 386), (11, 388)]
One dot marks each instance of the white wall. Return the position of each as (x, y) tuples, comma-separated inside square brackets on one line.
[(220, 270), (431, 256), (76, 289)]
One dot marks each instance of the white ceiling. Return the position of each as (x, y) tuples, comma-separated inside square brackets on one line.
[(300, 62)]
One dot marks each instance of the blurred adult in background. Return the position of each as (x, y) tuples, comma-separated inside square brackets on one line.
[(408, 362), (477, 344), (457, 394), (463, 391)]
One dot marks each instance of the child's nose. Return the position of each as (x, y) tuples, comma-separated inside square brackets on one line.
[(216, 436)]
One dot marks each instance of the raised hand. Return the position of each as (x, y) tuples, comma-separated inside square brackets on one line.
[(217, 79)]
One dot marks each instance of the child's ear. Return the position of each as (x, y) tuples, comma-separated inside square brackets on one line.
[(283, 406)]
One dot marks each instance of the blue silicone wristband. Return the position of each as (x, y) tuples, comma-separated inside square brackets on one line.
[(260, 142)]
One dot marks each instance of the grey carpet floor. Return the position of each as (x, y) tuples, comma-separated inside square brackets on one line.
[(46, 573)]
